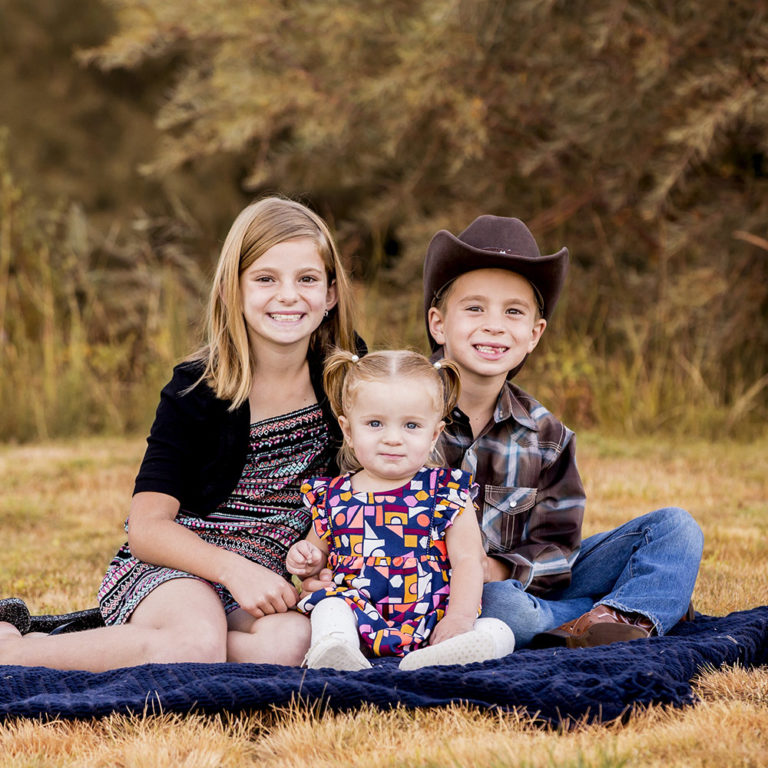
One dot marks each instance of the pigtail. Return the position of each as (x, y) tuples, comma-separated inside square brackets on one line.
[(335, 372), (335, 383), (449, 375)]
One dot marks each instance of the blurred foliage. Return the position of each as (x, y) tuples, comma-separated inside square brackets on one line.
[(635, 132), (80, 134), (89, 325)]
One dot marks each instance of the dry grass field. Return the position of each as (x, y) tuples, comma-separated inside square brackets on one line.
[(61, 510)]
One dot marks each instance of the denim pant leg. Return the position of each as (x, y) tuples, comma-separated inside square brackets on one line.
[(525, 614), (648, 565)]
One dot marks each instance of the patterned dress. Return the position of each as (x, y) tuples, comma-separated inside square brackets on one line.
[(387, 553), (259, 520)]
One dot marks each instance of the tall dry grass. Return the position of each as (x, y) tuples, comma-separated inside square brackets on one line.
[(90, 324), (61, 509)]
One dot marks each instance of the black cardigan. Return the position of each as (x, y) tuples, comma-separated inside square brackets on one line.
[(196, 449)]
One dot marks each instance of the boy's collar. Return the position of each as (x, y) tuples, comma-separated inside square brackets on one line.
[(508, 406)]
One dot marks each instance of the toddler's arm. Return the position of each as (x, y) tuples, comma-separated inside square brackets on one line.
[(307, 557), (465, 551)]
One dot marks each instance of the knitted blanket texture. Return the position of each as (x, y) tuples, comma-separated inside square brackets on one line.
[(553, 685)]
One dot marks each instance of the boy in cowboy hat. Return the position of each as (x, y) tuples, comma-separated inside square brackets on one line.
[(488, 296)]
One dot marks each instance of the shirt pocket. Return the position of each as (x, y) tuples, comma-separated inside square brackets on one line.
[(505, 512)]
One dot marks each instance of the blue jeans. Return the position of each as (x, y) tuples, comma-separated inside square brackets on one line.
[(648, 566)]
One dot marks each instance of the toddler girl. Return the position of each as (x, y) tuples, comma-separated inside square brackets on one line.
[(398, 533)]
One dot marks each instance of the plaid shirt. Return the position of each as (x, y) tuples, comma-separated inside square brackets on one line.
[(531, 496)]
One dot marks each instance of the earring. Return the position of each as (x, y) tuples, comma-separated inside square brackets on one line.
[(325, 314)]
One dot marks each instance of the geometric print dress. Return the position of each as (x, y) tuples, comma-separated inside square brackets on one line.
[(387, 553)]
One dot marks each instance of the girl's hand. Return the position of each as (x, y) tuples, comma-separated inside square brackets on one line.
[(323, 580), (260, 591), (450, 626), (304, 559)]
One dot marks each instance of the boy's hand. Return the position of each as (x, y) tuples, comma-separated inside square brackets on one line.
[(450, 626), (495, 570), (304, 559)]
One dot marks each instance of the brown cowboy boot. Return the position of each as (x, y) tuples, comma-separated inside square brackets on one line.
[(690, 614), (600, 626)]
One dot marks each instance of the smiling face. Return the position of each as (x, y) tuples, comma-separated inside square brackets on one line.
[(392, 427), (284, 294), (487, 323)]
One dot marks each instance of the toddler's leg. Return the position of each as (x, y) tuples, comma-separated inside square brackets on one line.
[(335, 641), (490, 639)]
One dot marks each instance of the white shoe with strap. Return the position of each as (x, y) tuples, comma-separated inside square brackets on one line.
[(491, 639), (333, 652)]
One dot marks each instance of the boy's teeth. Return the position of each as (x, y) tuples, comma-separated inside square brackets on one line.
[(483, 348)]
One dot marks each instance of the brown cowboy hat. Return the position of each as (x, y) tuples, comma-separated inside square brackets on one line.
[(493, 242)]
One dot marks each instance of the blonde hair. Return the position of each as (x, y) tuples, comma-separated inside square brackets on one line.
[(345, 371), (227, 354)]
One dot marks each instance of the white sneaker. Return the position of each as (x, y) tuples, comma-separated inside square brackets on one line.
[(466, 648), (334, 653)]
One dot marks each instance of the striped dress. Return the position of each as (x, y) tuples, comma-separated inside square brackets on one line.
[(259, 520)]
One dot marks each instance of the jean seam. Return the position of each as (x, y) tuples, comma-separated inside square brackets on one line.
[(646, 534)]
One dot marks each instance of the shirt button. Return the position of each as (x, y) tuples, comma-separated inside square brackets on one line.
[(512, 504)]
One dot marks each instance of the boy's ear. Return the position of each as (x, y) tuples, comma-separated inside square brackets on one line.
[(538, 329), (435, 323)]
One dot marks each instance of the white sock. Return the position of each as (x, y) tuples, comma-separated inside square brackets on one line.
[(502, 635), (332, 616)]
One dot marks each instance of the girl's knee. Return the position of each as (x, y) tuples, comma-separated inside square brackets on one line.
[(282, 638), (206, 644)]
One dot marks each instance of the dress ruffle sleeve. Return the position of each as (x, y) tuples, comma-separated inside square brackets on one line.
[(314, 494), (453, 489)]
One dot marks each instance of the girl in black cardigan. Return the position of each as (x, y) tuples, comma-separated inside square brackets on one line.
[(216, 502)]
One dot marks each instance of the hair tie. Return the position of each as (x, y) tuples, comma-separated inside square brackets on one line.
[(438, 365), (355, 359)]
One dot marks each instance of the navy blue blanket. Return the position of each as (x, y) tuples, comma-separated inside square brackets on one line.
[(554, 685)]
